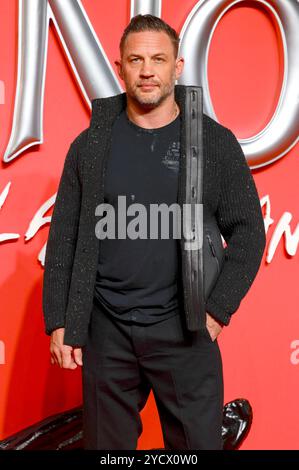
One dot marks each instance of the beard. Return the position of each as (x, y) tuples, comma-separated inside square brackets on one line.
[(153, 98)]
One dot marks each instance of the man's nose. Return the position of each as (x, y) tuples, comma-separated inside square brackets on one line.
[(146, 69)]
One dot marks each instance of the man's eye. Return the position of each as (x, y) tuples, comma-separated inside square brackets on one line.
[(135, 59), (159, 59)]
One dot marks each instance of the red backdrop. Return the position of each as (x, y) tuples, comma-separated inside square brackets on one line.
[(260, 348)]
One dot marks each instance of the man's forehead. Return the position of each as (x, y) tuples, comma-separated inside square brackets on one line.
[(153, 53)]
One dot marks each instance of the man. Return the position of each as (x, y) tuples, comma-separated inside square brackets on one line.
[(120, 300)]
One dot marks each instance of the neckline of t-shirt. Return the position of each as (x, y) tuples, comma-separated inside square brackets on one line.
[(153, 130)]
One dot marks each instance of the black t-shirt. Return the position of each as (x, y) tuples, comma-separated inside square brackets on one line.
[(137, 278)]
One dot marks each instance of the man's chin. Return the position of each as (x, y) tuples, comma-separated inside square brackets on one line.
[(148, 99)]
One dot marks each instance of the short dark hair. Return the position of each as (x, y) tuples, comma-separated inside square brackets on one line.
[(148, 22)]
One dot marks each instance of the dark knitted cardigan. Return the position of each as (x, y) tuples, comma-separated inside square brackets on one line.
[(229, 192)]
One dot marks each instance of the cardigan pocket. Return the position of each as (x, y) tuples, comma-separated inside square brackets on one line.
[(213, 258)]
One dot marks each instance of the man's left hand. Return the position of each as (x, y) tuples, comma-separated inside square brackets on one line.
[(213, 326)]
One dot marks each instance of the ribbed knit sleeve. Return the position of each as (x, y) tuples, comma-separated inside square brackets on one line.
[(61, 244), (240, 220)]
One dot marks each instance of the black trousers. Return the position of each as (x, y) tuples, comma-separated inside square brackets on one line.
[(122, 362)]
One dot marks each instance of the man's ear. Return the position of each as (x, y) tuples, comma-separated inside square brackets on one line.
[(179, 66), (119, 67)]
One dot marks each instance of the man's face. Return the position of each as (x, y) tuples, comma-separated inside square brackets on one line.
[(149, 68)]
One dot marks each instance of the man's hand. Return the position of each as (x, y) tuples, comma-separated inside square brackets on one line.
[(65, 356), (213, 326)]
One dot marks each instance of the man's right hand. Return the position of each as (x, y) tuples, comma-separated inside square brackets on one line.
[(65, 356)]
